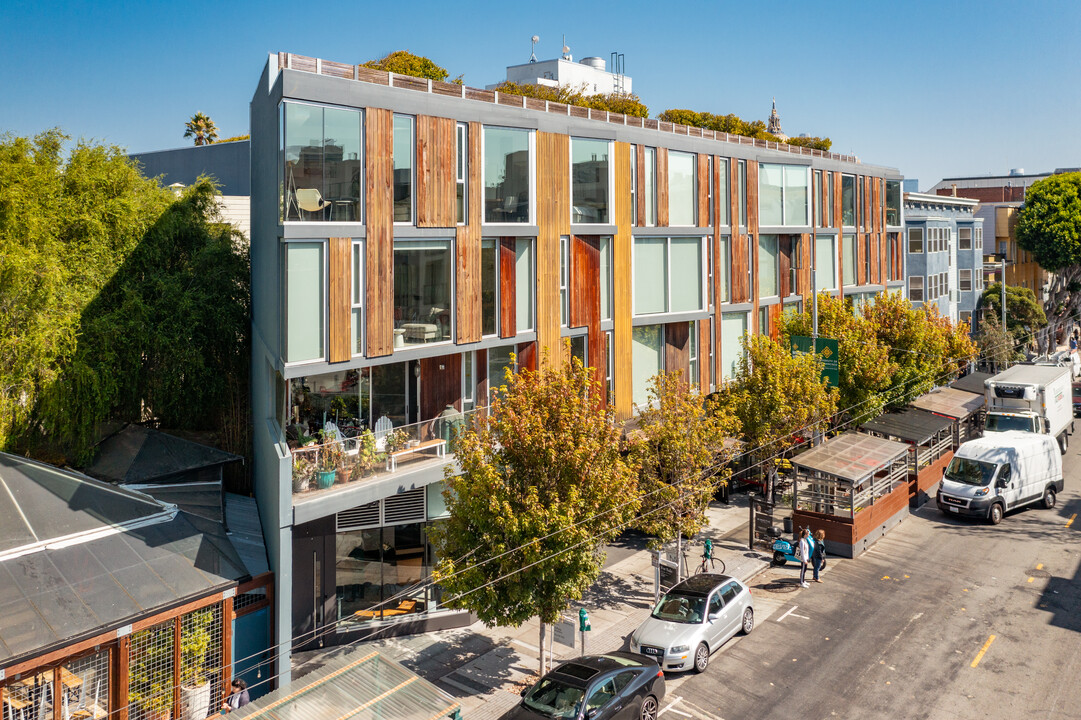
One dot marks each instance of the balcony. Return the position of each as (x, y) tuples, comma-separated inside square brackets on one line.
[(358, 457)]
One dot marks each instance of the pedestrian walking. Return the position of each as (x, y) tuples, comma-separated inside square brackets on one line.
[(806, 547), (238, 698), (818, 555)]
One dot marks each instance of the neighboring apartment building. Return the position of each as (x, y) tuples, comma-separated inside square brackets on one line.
[(944, 253), (1000, 198), (408, 236), (589, 74)]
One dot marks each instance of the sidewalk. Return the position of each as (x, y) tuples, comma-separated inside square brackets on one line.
[(486, 668)]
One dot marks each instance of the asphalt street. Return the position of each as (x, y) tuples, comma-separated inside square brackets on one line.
[(943, 618)]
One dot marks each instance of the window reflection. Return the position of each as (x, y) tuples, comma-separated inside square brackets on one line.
[(422, 292), (506, 175), (323, 161)]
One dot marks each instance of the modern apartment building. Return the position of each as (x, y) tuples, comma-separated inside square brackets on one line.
[(410, 237), (944, 253)]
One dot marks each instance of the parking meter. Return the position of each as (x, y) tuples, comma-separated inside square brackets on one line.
[(707, 551), (583, 620)]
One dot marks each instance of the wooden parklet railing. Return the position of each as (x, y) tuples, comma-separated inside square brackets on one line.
[(290, 61)]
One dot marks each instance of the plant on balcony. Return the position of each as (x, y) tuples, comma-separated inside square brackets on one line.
[(367, 455), (397, 440), (331, 458), (303, 469)]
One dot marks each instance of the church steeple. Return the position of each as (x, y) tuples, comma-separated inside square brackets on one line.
[(774, 126)]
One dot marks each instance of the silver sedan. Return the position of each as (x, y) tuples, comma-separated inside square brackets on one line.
[(693, 619)]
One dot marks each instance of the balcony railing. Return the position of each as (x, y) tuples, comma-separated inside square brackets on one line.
[(369, 455)]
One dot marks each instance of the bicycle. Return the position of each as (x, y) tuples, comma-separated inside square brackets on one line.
[(709, 561)]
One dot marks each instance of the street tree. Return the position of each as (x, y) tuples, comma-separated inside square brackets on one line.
[(202, 128), (1049, 227), (997, 347), (779, 400), (864, 365), (1024, 316), (679, 449), (543, 486)]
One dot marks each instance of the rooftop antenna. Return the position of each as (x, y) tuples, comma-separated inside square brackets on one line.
[(566, 49), (533, 54)]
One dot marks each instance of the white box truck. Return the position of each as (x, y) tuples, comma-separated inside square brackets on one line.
[(1031, 398), (999, 472)]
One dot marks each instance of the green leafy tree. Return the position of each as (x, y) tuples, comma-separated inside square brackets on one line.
[(202, 128), (404, 62), (543, 486), (734, 125), (626, 103), (864, 365), (997, 347), (1024, 316), (779, 400), (813, 142), (1049, 226), (679, 448)]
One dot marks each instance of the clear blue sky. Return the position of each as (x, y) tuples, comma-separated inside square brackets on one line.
[(934, 88)]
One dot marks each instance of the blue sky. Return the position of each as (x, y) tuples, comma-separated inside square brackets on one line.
[(933, 88)]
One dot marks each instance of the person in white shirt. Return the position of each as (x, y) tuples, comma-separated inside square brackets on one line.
[(806, 548)]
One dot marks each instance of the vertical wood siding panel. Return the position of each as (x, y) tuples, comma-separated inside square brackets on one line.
[(640, 171), (553, 221), (704, 370), (585, 294), (468, 245), (506, 288), (527, 356), (621, 282), (436, 176), (752, 231), (339, 265), (662, 187), (784, 265), (837, 211), (860, 264), (379, 242), (676, 350), (805, 275), (775, 321), (442, 384), (704, 180), (481, 397), (424, 147)]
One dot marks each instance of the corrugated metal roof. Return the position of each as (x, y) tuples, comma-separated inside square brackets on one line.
[(362, 685), (956, 404), (910, 425), (851, 456)]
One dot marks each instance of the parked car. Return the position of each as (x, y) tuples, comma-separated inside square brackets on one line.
[(1076, 399), (693, 619), (615, 686)]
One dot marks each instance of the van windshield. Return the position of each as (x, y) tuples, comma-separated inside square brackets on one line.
[(1005, 423), (970, 472)]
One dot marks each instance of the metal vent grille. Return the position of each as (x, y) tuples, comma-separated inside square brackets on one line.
[(359, 518), (403, 508)]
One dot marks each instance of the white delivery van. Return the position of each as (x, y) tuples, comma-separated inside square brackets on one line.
[(1031, 397), (999, 472)]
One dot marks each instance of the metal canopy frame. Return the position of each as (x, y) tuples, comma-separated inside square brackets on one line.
[(848, 473)]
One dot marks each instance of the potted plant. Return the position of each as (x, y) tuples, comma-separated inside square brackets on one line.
[(302, 472), (367, 454), (397, 440), (330, 459), (196, 636)]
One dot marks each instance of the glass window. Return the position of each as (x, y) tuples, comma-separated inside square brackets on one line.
[(647, 358), (825, 263), (964, 238), (423, 293), (795, 195), (323, 159), (770, 194), (818, 207), (523, 285), (763, 320), (634, 184), (709, 354), (609, 352), (305, 298), (682, 188), (768, 248), (580, 349), (606, 278), (915, 240), (867, 260), (564, 279), (848, 259), (650, 188), (357, 300), (827, 197), (915, 288), (685, 268), (733, 328), (692, 355), (709, 191), (722, 191), (848, 200), (489, 286), (724, 279), (964, 280), (403, 169), (461, 172), (893, 202), (506, 175), (469, 384), (589, 180), (710, 287), (742, 179), (498, 361), (650, 275)]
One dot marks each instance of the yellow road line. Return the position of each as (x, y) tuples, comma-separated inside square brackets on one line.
[(1039, 566), (1070, 521), (1031, 579), (983, 650)]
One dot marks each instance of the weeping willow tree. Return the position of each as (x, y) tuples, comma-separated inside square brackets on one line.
[(119, 302)]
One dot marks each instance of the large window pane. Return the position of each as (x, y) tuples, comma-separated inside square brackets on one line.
[(724, 279), (304, 162), (741, 174), (686, 274), (848, 200), (733, 328), (606, 278), (506, 175), (489, 286), (722, 191), (422, 291), (825, 263), (359, 572), (589, 180), (403, 169), (304, 300), (767, 265), (343, 158), (770, 194), (893, 202), (848, 259), (650, 189), (650, 275), (523, 285), (795, 195), (681, 188), (647, 358)]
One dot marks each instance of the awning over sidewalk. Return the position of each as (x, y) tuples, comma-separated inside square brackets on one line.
[(362, 685), (851, 456), (909, 425), (973, 382), (956, 404)]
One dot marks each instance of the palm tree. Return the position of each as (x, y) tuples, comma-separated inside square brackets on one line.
[(202, 128)]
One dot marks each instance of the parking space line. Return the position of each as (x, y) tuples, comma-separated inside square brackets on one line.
[(1070, 521), (672, 706), (787, 613), (983, 651)]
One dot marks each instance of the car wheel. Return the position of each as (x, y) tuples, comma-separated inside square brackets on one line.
[(995, 516), (649, 708), (1049, 498), (748, 620), (701, 658), (778, 558)]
